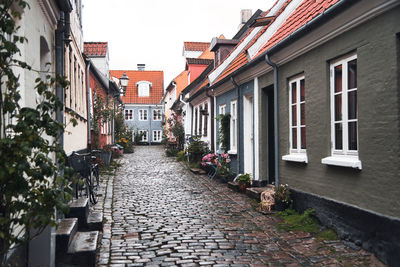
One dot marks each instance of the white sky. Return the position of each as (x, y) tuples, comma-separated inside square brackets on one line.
[(153, 31)]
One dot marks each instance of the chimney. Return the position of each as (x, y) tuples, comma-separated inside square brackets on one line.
[(141, 66), (245, 15)]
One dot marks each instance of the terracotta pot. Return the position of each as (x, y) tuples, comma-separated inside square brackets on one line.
[(242, 187)]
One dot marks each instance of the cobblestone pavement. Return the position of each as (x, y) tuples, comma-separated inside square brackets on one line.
[(157, 213)]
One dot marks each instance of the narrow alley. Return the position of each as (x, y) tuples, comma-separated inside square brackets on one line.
[(157, 213)]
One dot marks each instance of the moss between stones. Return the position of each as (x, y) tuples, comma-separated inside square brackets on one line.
[(306, 222)]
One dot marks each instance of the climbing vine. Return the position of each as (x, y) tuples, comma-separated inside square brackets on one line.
[(33, 176), (224, 131), (101, 114)]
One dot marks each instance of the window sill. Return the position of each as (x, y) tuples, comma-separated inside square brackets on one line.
[(296, 158), (343, 161), (232, 152)]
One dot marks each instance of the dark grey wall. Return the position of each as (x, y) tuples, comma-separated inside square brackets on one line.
[(376, 187)]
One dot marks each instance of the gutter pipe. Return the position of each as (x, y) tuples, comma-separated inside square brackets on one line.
[(276, 131), (237, 122), (89, 106)]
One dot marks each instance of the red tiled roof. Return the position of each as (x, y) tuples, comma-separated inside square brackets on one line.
[(131, 96), (196, 46), (181, 81), (199, 61), (95, 48), (305, 12)]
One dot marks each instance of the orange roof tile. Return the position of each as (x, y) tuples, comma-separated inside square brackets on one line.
[(131, 96), (95, 48), (196, 46), (181, 81), (207, 54), (304, 13)]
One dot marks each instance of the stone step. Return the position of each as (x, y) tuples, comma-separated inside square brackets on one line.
[(95, 221), (65, 233), (79, 208), (233, 185), (82, 250), (255, 192)]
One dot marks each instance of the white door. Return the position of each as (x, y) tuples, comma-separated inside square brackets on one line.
[(248, 134)]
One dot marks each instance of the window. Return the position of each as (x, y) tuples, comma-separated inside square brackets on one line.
[(156, 114), (128, 114), (195, 121), (205, 112), (222, 109), (143, 88), (297, 120), (144, 135), (344, 122), (143, 114), (200, 120), (233, 127), (157, 136)]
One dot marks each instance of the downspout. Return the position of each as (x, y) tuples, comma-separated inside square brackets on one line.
[(212, 116), (237, 123), (276, 131), (89, 106), (60, 71), (150, 135)]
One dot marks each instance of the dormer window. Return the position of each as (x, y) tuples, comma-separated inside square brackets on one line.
[(144, 88)]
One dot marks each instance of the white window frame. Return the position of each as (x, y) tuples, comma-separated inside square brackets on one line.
[(233, 128), (221, 111), (143, 88), (157, 136), (130, 116), (297, 154), (342, 157), (143, 115), (158, 116), (144, 136)]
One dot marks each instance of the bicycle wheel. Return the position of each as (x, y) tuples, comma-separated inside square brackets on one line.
[(95, 172), (82, 189), (93, 197)]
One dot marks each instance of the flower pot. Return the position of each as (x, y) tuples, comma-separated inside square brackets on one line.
[(280, 206), (242, 187)]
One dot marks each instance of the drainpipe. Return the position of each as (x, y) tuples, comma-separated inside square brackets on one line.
[(212, 116), (89, 106), (275, 67), (237, 123)]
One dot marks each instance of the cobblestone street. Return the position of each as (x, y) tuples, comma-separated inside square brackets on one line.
[(157, 213)]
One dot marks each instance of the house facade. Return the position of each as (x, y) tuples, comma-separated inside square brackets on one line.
[(75, 138), (103, 94), (39, 24), (313, 89), (143, 110)]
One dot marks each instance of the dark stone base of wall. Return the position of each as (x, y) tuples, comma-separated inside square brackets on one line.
[(374, 232), (258, 183)]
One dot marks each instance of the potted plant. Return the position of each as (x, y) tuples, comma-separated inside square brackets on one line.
[(244, 181), (282, 197)]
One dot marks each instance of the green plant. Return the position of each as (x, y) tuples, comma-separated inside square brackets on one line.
[(224, 130), (101, 114), (282, 194), (176, 128), (244, 179), (181, 155), (171, 152), (293, 221), (33, 177), (197, 149)]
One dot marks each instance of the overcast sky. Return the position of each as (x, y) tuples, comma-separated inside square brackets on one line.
[(153, 31)]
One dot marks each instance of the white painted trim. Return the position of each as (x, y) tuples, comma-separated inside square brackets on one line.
[(297, 157), (140, 117), (160, 110), (232, 152), (256, 133), (132, 115), (233, 129), (263, 39), (343, 161), (215, 122), (215, 74), (297, 80)]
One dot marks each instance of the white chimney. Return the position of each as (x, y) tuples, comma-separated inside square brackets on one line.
[(245, 15)]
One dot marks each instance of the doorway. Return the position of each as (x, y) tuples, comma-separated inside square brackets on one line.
[(248, 135)]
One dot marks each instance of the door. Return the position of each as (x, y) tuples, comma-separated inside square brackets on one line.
[(248, 134)]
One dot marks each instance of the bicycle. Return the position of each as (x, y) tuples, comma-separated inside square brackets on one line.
[(88, 175)]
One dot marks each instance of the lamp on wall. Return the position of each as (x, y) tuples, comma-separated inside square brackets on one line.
[(123, 81)]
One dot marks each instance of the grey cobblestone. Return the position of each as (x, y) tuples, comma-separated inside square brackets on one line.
[(157, 213)]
